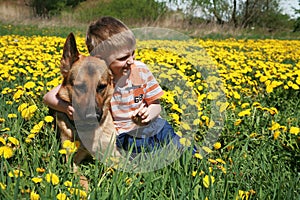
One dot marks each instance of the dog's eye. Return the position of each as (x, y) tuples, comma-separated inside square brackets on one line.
[(80, 87), (100, 88)]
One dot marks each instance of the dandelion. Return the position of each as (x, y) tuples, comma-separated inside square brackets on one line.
[(208, 180), (36, 128), (2, 120), (29, 85), (198, 155), (12, 115), (40, 170), (294, 130), (6, 152), (185, 142), (2, 140), (48, 119), (22, 107), (207, 149), (15, 173), (14, 141), (52, 178), (276, 135), (37, 179), (237, 122), (18, 94), (62, 196), (34, 196), (69, 146), (217, 145), (244, 113), (219, 160), (68, 184), (2, 186)]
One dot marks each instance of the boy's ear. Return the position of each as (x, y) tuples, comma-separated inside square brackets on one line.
[(70, 55)]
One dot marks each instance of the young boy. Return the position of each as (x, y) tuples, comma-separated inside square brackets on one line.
[(135, 104)]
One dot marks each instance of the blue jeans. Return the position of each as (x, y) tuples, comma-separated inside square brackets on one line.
[(149, 138)]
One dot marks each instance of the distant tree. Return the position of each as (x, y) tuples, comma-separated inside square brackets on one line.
[(47, 8), (297, 22), (241, 13)]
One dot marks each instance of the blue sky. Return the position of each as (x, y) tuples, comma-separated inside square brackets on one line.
[(288, 5)]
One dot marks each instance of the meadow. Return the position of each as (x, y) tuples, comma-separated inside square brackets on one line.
[(237, 100)]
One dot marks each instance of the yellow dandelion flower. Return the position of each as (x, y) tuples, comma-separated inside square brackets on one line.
[(5, 129), (29, 85), (70, 147), (2, 140), (40, 170), (217, 145), (15, 173), (63, 151), (294, 130), (244, 113), (275, 126), (22, 107), (2, 186), (34, 196), (237, 122), (14, 141), (68, 184), (198, 155), (48, 119), (194, 173), (212, 161), (253, 135), (219, 160), (62, 196), (245, 105), (185, 142), (185, 126), (52, 178), (276, 135), (207, 149), (2, 120), (243, 195), (6, 152), (37, 179), (12, 115), (18, 94), (208, 180)]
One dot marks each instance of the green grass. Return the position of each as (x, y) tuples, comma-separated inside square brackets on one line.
[(263, 167)]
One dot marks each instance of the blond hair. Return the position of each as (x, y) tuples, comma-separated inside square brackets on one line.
[(107, 35)]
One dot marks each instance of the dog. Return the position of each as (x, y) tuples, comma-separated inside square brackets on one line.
[(88, 86)]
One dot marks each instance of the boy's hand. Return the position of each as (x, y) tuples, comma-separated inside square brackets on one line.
[(141, 115), (69, 111)]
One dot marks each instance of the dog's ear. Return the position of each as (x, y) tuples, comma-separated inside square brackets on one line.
[(110, 77), (70, 55), (64, 94)]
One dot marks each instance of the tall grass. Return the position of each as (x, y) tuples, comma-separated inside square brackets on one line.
[(255, 157)]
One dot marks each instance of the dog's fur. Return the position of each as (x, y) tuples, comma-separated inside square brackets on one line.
[(87, 86)]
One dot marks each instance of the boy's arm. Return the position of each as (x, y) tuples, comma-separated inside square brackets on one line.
[(147, 113), (51, 100)]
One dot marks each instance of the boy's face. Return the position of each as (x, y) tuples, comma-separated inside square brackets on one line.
[(121, 61)]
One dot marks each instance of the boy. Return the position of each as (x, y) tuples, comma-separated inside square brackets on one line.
[(135, 104)]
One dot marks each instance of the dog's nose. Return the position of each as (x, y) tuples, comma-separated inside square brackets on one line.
[(97, 114)]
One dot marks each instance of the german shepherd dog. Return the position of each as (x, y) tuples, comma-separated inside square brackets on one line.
[(87, 86)]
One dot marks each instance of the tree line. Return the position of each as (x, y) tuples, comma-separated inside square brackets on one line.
[(238, 13)]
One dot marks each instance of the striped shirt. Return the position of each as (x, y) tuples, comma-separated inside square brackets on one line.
[(139, 87)]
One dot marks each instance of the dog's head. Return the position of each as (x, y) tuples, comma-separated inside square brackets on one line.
[(87, 83)]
